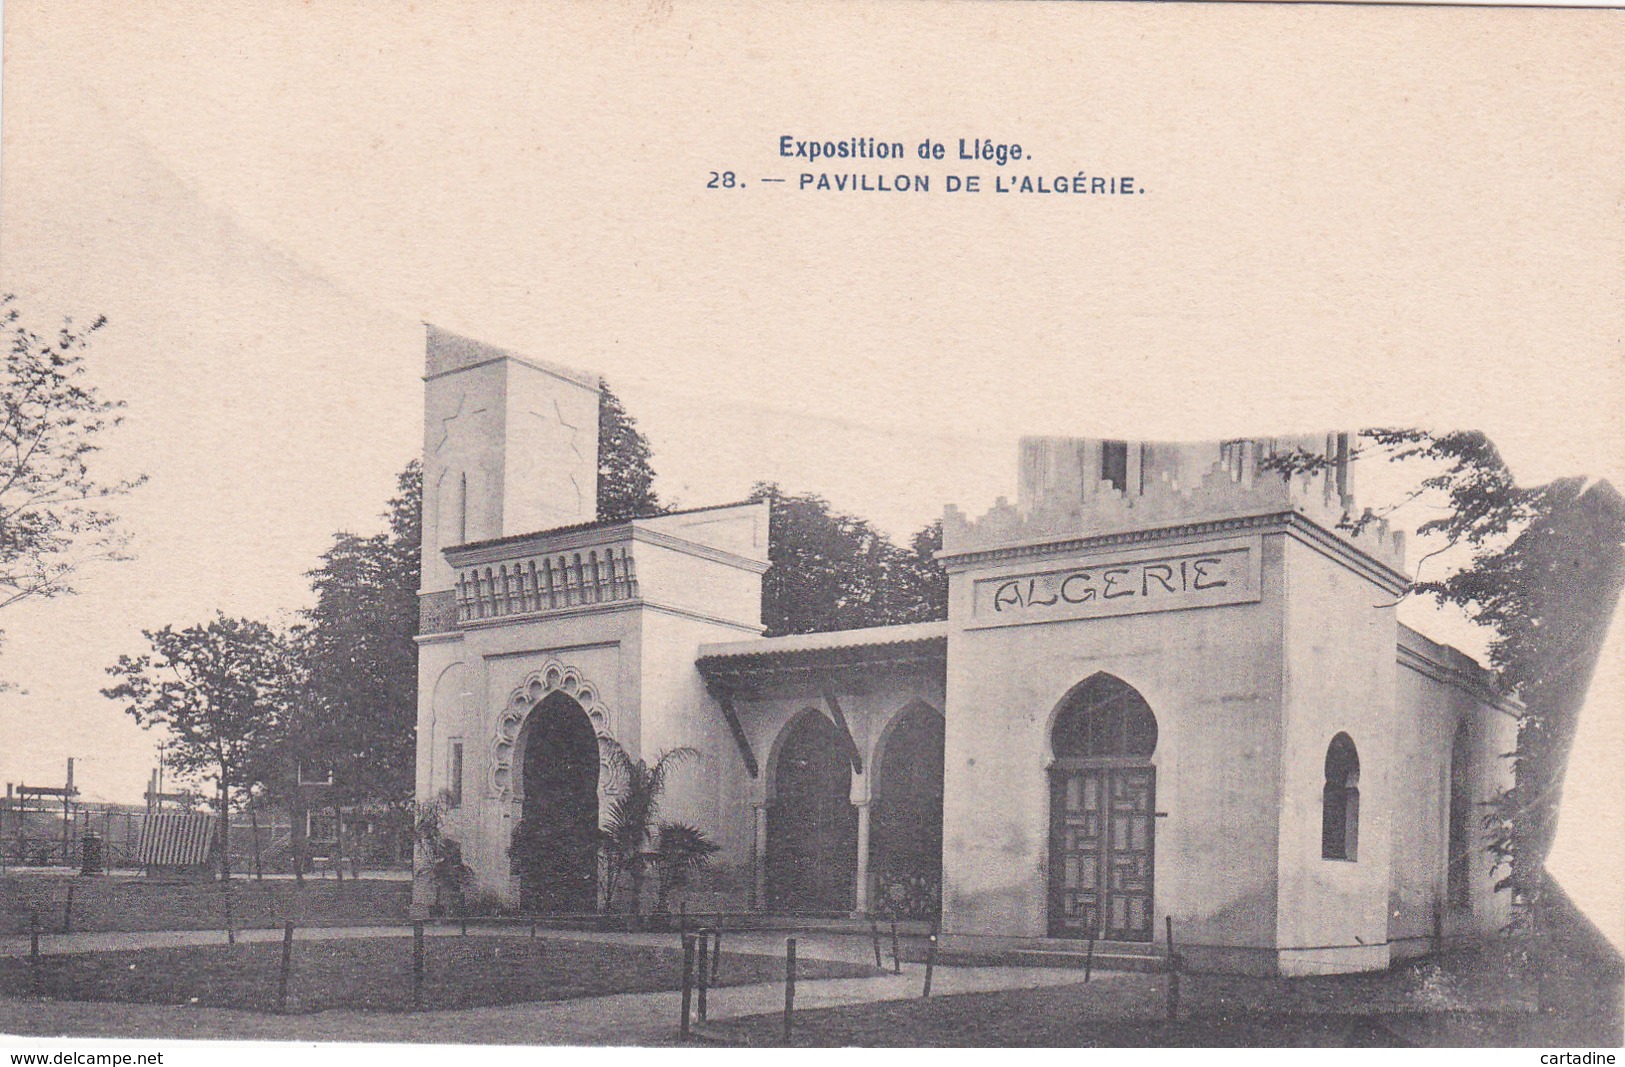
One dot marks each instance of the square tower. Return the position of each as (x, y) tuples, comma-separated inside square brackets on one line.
[(1151, 661), (510, 446)]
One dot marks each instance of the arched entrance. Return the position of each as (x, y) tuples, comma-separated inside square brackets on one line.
[(555, 846), (906, 835), (812, 827), (1102, 798)]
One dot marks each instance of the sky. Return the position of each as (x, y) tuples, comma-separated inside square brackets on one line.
[(1349, 220)]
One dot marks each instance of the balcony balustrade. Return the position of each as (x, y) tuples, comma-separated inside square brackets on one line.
[(545, 582)]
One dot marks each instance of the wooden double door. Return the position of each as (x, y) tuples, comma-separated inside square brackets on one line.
[(1101, 849)]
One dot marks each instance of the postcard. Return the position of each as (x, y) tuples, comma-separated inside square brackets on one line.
[(831, 524)]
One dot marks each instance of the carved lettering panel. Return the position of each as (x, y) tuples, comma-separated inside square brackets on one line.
[(1126, 583)]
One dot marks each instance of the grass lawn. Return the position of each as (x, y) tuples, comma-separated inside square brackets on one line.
[(376, 973), (1470, 999), (125, 903)]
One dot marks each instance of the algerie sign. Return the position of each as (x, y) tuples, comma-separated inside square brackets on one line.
[(1125, 584)]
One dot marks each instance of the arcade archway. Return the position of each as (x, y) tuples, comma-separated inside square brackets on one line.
[(1102, 799), (812, 827), (555, 845), (906, 837)]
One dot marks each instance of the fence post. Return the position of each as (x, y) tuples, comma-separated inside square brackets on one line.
[(789, 986), (533, 929), (1089, 958), (704, 969), (875, 930), (1173, 972), (33, 948), (287, 965), (67, 912), (417, 966), (716, 953), (896, 960), (231, 929), (688, 982), (930, 963)]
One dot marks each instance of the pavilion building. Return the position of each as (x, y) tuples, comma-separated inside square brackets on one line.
[(1171, 684)]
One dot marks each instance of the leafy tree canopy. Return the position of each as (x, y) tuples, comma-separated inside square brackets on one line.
[(625, 476), (221, 692), (52, 422), (359, 714), (830, 571), (919, 584)]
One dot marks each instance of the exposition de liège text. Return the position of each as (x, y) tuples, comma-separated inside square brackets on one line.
[(864, 164)]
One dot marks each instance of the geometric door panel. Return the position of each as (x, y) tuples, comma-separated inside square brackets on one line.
[(1128, 876), (1101, 852), (1077, 831)]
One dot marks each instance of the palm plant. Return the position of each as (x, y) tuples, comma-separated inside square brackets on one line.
[(626, 828), (682, 852)]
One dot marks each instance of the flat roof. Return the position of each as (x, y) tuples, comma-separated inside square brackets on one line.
[(872, 637), (600, 524)]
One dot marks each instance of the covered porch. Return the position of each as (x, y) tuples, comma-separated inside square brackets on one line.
[(842, 737)]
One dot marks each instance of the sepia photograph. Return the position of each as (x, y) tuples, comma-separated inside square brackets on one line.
[(704, 525)]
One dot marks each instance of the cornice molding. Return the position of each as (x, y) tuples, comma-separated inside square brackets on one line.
[(1301, 527), (574, 611), (1477, 688), (549, 544), (504, 356), (698, 616), (609, 607), (1051, 548), (444, 638), (1307, 532), (694, 548), (540, 545)]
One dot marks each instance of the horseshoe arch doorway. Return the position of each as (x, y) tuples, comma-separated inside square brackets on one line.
[(556, 842), (1102, 799)]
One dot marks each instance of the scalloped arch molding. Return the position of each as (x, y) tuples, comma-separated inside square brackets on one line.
[(538, 685)]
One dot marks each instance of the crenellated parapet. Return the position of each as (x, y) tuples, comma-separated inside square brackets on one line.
[(1160, 486)]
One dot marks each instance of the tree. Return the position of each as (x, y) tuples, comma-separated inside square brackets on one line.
[(220, 691), (829, 571), (919, 585), (1550, 595), (359, 715), (1546, 567), (630, 821), (625, 477), (52, 422)]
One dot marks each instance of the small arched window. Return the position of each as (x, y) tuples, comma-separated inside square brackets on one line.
[(1340, 801), (1456, 872)]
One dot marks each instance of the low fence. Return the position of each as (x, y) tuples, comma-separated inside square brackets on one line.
[(702, 948), (39, 836)]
